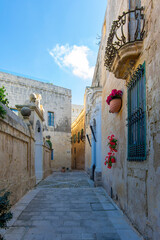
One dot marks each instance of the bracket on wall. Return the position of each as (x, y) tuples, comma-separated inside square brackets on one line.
[(88, 140), (93, 133)]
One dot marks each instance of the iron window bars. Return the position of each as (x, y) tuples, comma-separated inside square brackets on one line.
[(137, 115)]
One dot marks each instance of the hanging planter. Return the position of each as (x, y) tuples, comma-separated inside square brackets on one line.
[(114, 100)]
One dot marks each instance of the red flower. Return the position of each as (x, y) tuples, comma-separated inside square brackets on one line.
[(109, 166), (105, 162), (110, 158), (113, 160)]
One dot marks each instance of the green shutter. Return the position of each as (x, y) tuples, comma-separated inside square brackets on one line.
[(137, 115)]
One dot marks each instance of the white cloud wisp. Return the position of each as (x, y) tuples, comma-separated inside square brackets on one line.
[(75, 58)]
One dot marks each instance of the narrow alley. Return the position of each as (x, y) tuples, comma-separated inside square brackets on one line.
[(66, 206)]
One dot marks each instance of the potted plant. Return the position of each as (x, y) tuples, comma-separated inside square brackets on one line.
[(114, 100), (63, 169), (110, 158)]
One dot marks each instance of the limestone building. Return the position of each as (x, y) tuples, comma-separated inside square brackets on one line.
[(56, 102), (76, 109), (78, 142), (128, 60)]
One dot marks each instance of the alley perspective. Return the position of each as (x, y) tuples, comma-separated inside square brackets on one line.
[(80, 151), (67, 206)]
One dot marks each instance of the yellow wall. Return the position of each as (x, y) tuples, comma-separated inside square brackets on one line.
[(78, 148)]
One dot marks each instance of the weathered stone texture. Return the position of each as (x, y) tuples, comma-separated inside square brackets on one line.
[(135, 185), (76, 109), (54, 99), (46, 161), (87, 132), (17, 169)]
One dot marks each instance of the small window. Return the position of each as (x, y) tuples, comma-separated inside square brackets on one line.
[(74, 150), (82, 134), (74, 138), (50, 119), (78, 137), (137, 116)]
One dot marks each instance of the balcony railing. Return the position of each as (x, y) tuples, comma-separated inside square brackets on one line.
[(129, 28)]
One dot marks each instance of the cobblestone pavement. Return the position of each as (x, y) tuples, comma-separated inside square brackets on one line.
[(66, 206)]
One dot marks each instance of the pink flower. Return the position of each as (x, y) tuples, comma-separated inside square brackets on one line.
[(114, 91), (119, 93)]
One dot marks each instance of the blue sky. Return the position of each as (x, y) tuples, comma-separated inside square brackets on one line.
[(52, 40)]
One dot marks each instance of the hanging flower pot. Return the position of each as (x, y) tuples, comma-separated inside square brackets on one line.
[(114, 100), (115, 105)]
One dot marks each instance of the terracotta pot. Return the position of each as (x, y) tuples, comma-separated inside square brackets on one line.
[(115, 105)]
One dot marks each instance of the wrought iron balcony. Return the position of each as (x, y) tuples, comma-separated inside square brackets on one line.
[(124, 43)]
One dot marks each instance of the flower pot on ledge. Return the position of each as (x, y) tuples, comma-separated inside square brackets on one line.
[(115, 105), (63, 169)]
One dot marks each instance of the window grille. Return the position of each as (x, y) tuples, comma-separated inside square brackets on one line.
[(137, 115), (50, 119)]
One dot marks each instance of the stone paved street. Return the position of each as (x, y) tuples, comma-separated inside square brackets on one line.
[(66, 206)]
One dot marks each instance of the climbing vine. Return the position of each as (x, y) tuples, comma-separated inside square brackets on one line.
[(3, 100)]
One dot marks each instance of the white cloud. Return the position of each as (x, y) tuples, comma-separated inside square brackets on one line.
[(74, 58)]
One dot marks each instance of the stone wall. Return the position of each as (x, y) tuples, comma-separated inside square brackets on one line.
[(88, 157), (46, 161), (78, 147), (17, 169), (76, 109), (134, 185), (54, 99)]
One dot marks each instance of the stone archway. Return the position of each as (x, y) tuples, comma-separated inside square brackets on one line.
[(38, 152)]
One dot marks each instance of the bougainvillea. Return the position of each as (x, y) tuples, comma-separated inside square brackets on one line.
[(114, 94), (110, 158)]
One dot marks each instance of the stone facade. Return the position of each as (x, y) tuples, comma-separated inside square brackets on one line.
[(76, 109), (17, 155), (133, 184), (56, 100), (78, 142), (17, 166)]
